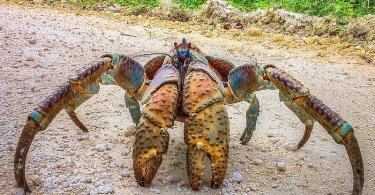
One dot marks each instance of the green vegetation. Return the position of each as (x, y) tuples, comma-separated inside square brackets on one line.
[(190, 4), (337, 8)]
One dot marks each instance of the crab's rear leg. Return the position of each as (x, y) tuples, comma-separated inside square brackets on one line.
[(128, 74), (206, 129), (247, 79), (151, 139)]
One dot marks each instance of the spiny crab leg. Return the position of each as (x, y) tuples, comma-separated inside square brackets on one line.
[(39, 119), (247, 79)]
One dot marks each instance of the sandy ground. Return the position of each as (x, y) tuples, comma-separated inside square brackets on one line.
[(41, 48)]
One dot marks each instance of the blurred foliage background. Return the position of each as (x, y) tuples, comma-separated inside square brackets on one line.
[(337, 8)]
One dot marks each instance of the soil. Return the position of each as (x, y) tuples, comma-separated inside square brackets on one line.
[(41, 47)]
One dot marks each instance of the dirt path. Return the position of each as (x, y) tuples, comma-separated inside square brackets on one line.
[(40, 48)]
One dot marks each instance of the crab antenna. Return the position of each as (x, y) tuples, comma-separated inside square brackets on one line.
[(150, 54)]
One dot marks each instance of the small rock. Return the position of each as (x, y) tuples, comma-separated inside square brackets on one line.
[(310, 165), (323, 41), (274, 185), (238, 25), (29, 59), (270, 135), (253, 186), (82, 137), (258, 161), (278, 37), (336, 40), (36, 181), (86, 180), (254, 31), (291, 147), (106, 189), (32, 41), (101, 147), (310, 40), (125, 173), (10, 148), (155, 190), (281, 166), (226, 26), (274, 141), (237, 176), (19, 91), (321, 53), (71, 163), (18, 191)]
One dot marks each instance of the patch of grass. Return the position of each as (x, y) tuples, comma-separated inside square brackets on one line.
[(190, 4), (337, 8)]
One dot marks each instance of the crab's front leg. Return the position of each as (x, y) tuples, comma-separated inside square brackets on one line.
[(39, 119), (152, 138), (246, 79), (127, 73)]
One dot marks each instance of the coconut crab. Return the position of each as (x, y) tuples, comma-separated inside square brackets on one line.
[(188, 86)]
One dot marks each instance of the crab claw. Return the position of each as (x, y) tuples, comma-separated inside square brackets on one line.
[(27, 136), (146, 167)]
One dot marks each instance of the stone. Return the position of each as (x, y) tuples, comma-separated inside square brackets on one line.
[(254, 31), (281, 165), (237, 176), (253, 187), (155, 190), (19, 91), (321, 53), (32, 41), (310, 40), (106, 189), (101, 147), (258, 161), (278, 38), (323, 41), (336, 40), (10, 148), (125, 173), (18, 191)]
